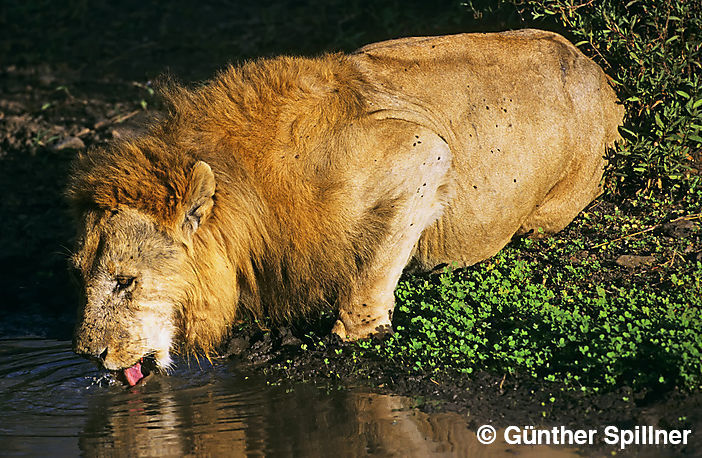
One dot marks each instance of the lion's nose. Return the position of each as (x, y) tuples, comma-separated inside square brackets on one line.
[(99, 354), (89, 348)]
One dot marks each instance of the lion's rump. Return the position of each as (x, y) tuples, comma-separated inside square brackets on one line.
[(527, 116)]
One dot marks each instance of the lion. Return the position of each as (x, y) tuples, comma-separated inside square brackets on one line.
[(291, 185)]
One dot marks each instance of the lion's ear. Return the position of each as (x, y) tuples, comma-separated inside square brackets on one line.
[(198, 199)]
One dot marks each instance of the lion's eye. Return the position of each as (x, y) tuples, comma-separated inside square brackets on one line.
[(124, 282)]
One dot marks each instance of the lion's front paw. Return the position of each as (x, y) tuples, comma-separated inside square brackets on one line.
[(354, 331)]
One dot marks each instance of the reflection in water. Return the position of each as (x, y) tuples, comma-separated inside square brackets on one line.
[(51, 400)]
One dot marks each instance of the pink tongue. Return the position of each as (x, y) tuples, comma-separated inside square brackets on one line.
[(133, 374)]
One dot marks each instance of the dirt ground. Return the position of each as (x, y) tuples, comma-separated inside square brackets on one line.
[(71, 79)]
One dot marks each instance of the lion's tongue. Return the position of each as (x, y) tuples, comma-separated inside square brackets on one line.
[(133, 374)]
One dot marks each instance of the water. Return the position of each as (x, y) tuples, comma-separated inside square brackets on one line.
[(54, 403)]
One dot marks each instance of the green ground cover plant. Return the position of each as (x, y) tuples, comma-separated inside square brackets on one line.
[(540, 308)]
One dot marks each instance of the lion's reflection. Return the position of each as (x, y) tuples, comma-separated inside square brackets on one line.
[(238, 419)]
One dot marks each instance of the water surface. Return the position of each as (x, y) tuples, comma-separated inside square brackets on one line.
[(55, 403)]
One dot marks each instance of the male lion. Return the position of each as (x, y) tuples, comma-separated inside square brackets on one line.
[(292, 184)]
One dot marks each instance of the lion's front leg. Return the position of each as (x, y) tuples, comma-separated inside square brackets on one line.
[(419, 174)]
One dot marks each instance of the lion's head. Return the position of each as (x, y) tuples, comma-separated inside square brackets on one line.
[(135, 275)]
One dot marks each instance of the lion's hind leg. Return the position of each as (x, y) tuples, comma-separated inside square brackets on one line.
[(578, 187)]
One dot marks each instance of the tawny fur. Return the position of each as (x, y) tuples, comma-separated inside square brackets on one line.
[(306, 206)]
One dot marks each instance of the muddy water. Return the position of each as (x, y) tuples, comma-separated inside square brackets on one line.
[(54, 403)]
